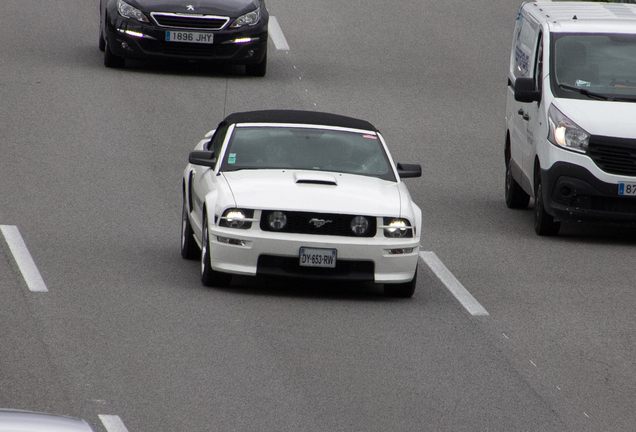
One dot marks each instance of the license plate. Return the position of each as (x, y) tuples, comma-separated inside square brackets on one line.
[(191, 37), (312, 257), (627, 188)]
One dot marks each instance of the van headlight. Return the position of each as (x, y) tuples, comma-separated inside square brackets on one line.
[(565, 133)]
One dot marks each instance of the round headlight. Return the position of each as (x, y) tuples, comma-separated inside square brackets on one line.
[(359, 225), (235, 218), (277, 220), (396, 229)]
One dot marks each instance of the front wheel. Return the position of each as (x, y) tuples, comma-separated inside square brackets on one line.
[(210, 277), (102, 42), (516, 197), (111, 60), (189, 248), (402, 290), (544, 223)]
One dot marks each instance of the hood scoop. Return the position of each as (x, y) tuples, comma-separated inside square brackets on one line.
[(314, 177)]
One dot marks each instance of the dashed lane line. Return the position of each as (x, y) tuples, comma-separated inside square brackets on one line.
[(276, 33), (453, 285), (113, 423), (23, 258)]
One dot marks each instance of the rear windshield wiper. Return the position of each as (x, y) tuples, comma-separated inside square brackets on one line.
[(584, 92)]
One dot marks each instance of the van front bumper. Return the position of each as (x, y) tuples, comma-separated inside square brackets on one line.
[(572, 192)]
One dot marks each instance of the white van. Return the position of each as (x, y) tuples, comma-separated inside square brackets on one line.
[(571, 113)]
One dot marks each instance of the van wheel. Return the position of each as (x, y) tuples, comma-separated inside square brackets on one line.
[(211, 277), (402, 290), (544, 223), (516, 197)]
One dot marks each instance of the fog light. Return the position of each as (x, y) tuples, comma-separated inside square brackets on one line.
[(359, 225), (401, 251), (277, 220), (124, 45), (231, 241)]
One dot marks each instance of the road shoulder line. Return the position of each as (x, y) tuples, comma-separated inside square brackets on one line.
[(113, 423), (23, 258), (453, 285), (276, 34)]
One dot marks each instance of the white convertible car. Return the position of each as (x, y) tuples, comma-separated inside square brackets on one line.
[(301, 194)]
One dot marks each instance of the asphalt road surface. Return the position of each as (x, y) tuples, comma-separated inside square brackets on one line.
[(126, 337)]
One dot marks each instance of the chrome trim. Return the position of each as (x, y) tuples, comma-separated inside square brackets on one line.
[(187, 15)]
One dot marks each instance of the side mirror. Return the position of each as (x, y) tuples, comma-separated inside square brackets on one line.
[(526, 90), (202, 157), (409, 170)]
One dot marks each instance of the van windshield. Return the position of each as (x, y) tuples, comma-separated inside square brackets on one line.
[(596, 66)]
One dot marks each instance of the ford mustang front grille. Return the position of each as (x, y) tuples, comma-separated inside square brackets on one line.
[(319, 224)]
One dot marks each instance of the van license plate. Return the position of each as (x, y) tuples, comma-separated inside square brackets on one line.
[(627, 188), (312, 257), (192, 37)]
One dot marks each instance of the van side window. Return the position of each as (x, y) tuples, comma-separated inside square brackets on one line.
[(525, 38)]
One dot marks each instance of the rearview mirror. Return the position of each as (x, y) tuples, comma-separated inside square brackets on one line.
[(202, 157), (409, 170), (526, 90)]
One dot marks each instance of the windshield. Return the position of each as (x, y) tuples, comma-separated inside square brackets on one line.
[(307, 149), (597, 66)]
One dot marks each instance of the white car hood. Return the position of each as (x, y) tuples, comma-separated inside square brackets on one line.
[(314, 191), (615, 119)]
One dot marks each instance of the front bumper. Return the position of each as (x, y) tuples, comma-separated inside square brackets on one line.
[(277, 254), (572, 192), (135, 40)]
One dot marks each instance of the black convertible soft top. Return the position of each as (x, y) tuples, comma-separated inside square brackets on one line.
[(299, 116)]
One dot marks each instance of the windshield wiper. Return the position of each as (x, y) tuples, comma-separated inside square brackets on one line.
[(584, 92), (625, 99)]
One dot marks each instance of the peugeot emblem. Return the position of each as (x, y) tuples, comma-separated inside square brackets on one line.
[(319, 222), (190, 7)]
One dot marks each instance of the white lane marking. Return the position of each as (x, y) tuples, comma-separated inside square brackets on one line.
[(276, 33), (23, 258), (453, 285), (113, 423)]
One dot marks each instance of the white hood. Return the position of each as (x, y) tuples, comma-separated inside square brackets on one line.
[(614, 119), (324, 192)]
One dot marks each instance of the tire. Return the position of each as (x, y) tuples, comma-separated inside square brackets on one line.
[(102, 43), (516, 197), (401, 290), (211, 277), (544, 223), (111, 60), (257, 69), (189, 248)]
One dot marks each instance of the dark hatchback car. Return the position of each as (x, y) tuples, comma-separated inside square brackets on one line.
[(213, 31)]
